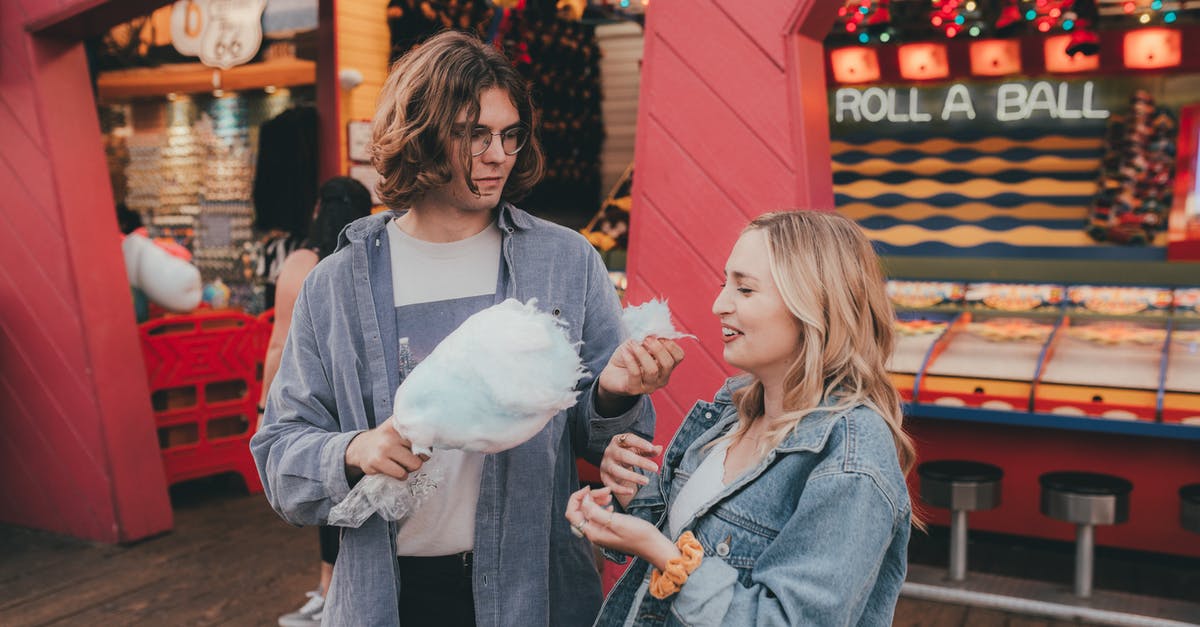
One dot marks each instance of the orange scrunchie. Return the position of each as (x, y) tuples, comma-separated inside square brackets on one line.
[(663, 585)]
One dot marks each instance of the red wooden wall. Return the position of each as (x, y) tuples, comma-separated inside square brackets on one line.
[(732, 123), (78, 451)]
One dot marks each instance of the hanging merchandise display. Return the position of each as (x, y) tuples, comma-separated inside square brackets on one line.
[(561, 59), (186, 166), (285, 189), (1138, 174)]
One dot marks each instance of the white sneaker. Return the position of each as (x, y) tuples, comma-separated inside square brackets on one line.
[(309, 615)]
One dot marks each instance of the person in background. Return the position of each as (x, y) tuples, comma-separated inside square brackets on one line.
[(340, 201), (454, 145), (782, 502)]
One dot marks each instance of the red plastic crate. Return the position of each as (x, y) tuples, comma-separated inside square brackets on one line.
[(204, 371)]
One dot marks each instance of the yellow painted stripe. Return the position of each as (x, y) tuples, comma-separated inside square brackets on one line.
[(1084, 394), (988, 144), (978, 188), (982, 165), (961, 385), (1177, 400), (966, 235), (912, 212)]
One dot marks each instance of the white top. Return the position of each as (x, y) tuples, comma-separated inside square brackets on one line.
[(426, 275), (706, 483), (467, 267)]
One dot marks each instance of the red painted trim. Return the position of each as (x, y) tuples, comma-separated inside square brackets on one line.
[(809, 108), (329, 92), (88, 18), (1183, 239), (128, 448)]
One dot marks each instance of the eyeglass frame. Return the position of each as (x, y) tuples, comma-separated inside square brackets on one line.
[(488, 142)]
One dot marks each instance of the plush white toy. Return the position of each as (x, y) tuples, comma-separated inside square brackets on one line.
[(490, 385), (168, 281)]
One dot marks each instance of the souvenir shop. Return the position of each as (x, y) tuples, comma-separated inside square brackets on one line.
[(217, 122)]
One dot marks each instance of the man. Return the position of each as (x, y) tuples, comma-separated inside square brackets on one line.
[(453, 143)]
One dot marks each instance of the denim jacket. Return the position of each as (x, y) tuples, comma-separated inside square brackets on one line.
[(338, 376), (815, 534)]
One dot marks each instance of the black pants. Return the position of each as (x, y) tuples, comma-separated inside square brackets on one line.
[(436, 591), (330, 542)]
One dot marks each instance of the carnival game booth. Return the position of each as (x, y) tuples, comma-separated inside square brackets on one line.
[(1028, 168), (979, 155)]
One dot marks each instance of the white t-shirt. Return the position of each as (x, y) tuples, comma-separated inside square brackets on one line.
[(435, 287), (703, 486)]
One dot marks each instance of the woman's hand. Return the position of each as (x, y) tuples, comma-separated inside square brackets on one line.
[(624, 453), (640, 368), (591, 514)]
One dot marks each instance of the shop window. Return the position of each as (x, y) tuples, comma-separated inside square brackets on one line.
[(854, 65), (923, 62), (1058, 61), (996, 57), (1151, 48)]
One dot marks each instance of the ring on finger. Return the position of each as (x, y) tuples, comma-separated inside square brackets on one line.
[(611, 513), (621, 439), (577, 528)]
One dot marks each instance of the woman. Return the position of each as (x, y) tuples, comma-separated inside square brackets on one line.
[(782, 502), (340, 201)]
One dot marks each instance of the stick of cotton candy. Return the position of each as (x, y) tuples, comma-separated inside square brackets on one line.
[(490, 385), (652, 317)]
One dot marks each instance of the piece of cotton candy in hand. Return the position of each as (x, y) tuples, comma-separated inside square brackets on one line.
[(652, 317), (492, 384), (489, 386)]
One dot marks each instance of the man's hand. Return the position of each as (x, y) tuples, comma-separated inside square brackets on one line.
[(381, 450), (635, 369)]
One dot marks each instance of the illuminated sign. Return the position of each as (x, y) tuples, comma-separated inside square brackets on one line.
[(1006, 102)]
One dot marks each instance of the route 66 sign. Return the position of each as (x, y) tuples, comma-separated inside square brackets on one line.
[(232, 32), (187, 24)]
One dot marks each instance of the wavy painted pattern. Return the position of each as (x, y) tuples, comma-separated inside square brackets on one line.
[(1022, 195)]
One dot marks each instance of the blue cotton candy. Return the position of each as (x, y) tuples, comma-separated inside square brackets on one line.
[(652, 317), (489, 386)]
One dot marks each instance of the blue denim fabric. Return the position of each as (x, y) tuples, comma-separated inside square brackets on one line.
[(338, 375), (816, 534)]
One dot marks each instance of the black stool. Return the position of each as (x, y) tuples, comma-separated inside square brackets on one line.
[(1189, 507), (1086, 499), (961, 487)]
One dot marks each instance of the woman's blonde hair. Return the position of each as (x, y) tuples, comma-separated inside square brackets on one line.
[(418, 107), (830, 279)]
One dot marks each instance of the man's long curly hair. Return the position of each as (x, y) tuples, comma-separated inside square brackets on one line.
[(427, 89)]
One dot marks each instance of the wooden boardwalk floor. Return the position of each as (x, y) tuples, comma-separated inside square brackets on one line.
[(231, 561)]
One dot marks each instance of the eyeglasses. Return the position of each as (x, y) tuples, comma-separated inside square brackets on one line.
[(511, 140)]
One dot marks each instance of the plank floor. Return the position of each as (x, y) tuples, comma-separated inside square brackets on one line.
[(231, 561)]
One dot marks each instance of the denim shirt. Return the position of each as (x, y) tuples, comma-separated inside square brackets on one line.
[(815, 534), (338, 375)]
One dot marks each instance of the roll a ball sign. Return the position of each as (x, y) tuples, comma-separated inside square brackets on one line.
[(1015, 101)]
